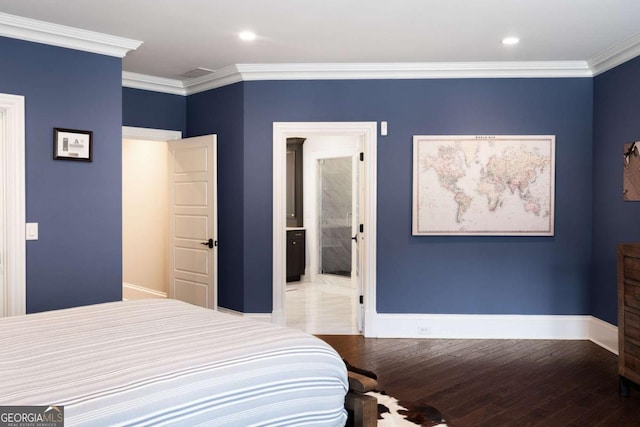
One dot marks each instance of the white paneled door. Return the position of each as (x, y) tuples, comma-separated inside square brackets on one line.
[(193, 221)]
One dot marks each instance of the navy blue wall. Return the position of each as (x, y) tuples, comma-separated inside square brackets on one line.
[(475, 275), (616, 122), (220, 111), (78, 257), (154, 110), (505, 275)]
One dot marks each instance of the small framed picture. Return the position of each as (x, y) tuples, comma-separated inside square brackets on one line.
[(70, 144)]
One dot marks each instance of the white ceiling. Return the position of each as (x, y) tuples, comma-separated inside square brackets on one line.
[(181, 35)]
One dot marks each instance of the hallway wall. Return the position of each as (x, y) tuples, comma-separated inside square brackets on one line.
[(145, 214)]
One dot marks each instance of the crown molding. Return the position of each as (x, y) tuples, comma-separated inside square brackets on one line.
[(430, 70), (32, 30), (222, 77), (615, 55), (153, 83), (437, 70)]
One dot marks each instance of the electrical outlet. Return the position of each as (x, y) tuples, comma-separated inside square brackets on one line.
[(424, 330)]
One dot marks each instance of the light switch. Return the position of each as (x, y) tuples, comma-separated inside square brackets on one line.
[(383, 128), (32, 231)]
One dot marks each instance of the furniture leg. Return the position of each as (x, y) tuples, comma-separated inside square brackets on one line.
[(365, 409), (624, 387)]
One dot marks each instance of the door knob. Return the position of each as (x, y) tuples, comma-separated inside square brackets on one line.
[(208, 243), (355, 238)]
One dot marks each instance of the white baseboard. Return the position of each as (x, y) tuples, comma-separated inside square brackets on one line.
[(455, 326), (499, 326), (604, 334), (132, 292)]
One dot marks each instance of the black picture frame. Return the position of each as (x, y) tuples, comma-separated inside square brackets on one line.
[(72, 144)]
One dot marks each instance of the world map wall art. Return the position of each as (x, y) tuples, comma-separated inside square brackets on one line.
[(479, 185)]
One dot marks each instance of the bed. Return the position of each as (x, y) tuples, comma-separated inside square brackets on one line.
[(166, 362)]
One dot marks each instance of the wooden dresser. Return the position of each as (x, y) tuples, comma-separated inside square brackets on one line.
[(628, 315)]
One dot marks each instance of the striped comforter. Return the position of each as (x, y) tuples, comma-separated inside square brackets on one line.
[(166, 362)]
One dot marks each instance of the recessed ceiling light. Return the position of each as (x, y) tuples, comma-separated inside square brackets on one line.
[(247, 35), (510, 40)]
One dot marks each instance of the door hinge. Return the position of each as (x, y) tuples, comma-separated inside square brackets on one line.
[(362, 157), (362, 228), (361, 299)]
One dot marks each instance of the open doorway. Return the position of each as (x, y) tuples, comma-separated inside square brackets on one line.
[(145, 212), (169, 216), (324, 300), (355, 142), (336, 197), (145, 219)]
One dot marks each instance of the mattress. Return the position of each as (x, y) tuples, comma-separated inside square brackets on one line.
[(166, 362)]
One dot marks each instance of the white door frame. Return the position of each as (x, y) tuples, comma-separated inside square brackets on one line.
[(13, 260), (146, 134), (283, 130)]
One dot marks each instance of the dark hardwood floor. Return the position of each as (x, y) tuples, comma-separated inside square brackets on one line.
[(499, 382)]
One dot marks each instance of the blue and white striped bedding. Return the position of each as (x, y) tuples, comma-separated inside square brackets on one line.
[(166, 362)]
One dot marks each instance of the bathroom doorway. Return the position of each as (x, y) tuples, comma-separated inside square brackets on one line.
[(354, 278), (325, 299), (336, 215)]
